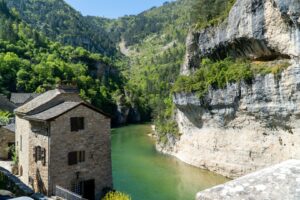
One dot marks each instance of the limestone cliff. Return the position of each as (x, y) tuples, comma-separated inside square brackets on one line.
[(244, 127)]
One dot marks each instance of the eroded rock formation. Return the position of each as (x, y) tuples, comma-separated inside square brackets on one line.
[(244, 127)]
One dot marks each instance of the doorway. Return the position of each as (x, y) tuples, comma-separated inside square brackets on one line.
[(89, 189)]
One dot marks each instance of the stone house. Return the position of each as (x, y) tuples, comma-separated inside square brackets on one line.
[(7, 139), (63, 141)]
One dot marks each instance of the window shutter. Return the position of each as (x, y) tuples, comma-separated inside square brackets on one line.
[(81, 156), (43, 156), (35, 154), (73, 122), (81, 123), (72, 157)]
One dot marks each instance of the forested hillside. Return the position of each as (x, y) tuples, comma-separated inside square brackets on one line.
[(61, 23), (30, 62), (154, 42), (47, 41)]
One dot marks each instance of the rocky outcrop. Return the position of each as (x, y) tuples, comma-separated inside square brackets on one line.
[(244, 127)]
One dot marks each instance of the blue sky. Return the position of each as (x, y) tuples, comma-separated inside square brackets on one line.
[(113, 8)]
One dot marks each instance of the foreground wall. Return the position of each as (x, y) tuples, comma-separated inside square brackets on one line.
[(281, 181)]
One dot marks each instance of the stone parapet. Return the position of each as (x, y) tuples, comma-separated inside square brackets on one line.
[(280, 181)]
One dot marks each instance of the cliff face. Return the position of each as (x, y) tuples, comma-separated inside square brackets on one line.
[(257, 29), (244, 127)]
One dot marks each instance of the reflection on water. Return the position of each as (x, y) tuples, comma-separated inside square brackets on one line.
[(145, 174)]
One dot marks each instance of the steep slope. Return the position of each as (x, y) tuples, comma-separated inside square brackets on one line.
[(154, 44), (241, 126), (30, 62), (60, 22)]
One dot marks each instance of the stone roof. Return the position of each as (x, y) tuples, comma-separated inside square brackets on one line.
[(52, 104), (21, 98), (5, 104), (54, 111), (11, 127), (47, 100)]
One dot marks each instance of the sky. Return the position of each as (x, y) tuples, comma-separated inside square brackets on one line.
[(113, 8)]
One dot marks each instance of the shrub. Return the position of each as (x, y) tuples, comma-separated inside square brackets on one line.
[(4, 117), (214, 74), (116, 196), (264, 68), (218, 74)]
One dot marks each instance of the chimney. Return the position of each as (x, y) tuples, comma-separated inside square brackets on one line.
[(68, 87)]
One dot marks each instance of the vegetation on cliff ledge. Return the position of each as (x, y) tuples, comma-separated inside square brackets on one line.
[(217, 74), (213, 74)]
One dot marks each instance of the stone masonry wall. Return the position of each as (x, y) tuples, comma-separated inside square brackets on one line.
[(28, 168), (22, 147), (94, 140), (37, 171)]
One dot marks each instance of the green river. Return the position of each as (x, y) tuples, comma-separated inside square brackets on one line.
[(143, 173)]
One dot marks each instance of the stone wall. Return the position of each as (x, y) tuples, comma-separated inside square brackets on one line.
[(23, 130), (28, 168), (6, 137), (94, 140), (281, 181), (39, 172)]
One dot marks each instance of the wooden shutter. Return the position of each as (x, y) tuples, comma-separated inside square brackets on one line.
[(35, 154), (72, 158), (43, 156), (80, 123), (81, 156), (73, 122)]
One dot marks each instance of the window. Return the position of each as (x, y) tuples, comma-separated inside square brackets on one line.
[(76, 157), (77, 123), (20, 142), (39, 154)]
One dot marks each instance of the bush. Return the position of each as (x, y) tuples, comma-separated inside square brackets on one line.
[(218, 74), (214, 74), (264, 68), (116, 196), (4, 117)]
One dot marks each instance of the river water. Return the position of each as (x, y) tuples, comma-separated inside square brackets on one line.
[(143, 173)]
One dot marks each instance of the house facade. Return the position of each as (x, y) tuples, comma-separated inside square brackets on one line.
[(64, 141)]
